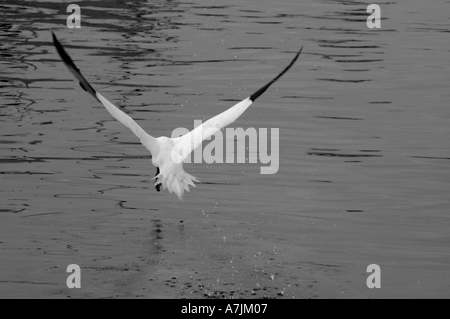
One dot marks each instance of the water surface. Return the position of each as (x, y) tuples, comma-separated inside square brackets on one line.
[(364, 150)]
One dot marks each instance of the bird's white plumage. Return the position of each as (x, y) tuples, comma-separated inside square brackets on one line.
[(172, 175), (146, 139), (190, 141), (168, 153)]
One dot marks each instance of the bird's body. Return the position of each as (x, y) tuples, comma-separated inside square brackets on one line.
[(168, 153), (171, 173)]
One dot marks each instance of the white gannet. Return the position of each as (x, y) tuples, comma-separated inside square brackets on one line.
[(168, 153)]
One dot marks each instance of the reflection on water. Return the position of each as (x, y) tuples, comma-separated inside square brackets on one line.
[(364, 154)]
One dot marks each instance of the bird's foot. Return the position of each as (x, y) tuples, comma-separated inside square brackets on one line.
[(157, 186)]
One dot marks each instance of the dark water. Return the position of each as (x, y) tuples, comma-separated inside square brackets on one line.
[(364, 150)]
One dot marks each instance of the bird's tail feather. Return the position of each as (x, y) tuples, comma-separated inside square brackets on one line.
[(176, 183)]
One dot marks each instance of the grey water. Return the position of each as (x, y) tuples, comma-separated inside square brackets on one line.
[(364, 150)]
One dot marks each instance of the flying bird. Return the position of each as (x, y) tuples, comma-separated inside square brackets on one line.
[(168, 153)]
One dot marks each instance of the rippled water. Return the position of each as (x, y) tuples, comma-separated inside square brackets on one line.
[(364, 150)]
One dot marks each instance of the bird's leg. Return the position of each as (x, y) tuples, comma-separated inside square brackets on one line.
[(158, 186)]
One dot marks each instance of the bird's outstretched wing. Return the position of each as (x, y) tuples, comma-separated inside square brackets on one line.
[(147, 140), (189, 142)]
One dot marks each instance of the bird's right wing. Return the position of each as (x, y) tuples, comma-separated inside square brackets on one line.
[(189, 142), (147, 140)]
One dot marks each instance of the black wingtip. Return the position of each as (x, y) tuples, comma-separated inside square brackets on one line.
[(72, 67), (62, 53), (258, 93)]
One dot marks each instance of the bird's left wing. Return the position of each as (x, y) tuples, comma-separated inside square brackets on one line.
[(147, 140), (189, 142)]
